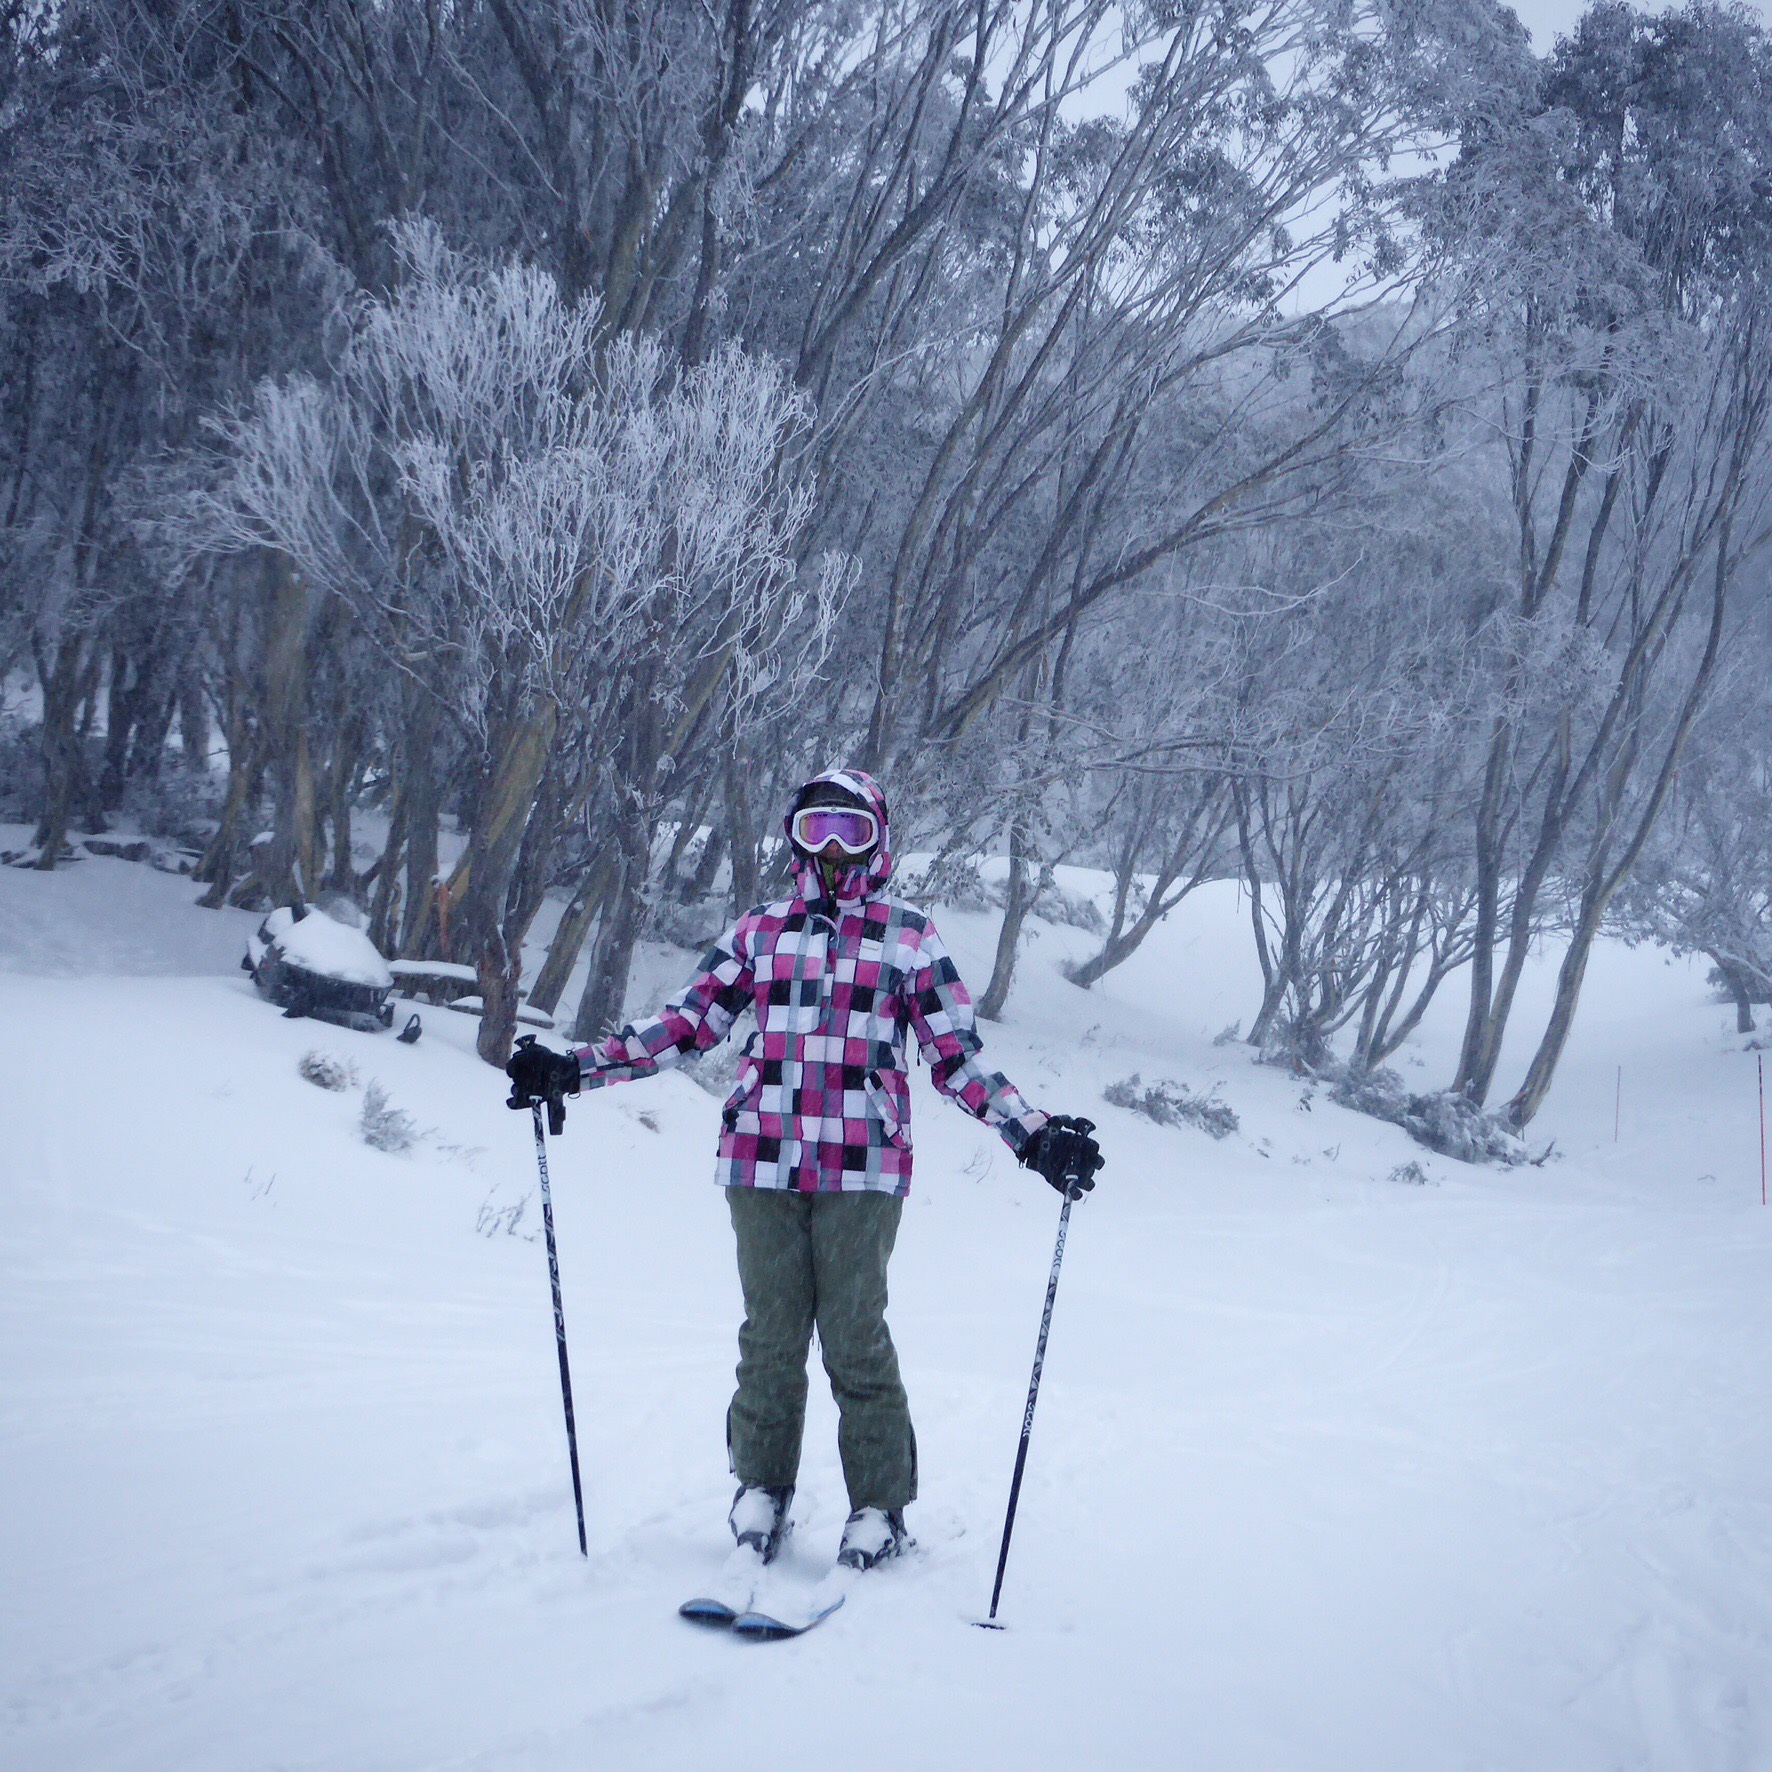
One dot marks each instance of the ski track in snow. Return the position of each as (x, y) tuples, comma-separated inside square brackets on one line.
[(1328, 1472)]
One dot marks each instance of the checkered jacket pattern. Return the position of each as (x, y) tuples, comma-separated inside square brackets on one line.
[(822, 1101)]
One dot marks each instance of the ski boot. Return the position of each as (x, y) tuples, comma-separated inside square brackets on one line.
[(759, 1519), (872, 1535)]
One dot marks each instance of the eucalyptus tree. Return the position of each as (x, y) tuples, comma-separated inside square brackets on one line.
[(1704, 885), (1619, 210), (1131, 380), (553, 536), (143, 217), (1352, 761), (1155, 723)]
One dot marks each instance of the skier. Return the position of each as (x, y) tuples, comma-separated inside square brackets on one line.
[(815, 1149)]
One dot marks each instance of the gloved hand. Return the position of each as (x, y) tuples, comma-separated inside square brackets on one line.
[(1064, 1153), (538, 1073)]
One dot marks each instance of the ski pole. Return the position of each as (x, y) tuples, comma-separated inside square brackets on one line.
[(1027, 1417), (557, 1121)]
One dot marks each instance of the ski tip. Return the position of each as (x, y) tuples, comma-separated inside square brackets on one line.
[(712, 1612), (759, 1627)]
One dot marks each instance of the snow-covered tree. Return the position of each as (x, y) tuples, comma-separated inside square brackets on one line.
[(556, 536)]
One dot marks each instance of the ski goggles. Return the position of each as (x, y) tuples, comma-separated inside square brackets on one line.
[(853, 829)]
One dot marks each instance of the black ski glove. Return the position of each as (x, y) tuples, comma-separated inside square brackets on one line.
[(538, 1073), (1063, 1152)]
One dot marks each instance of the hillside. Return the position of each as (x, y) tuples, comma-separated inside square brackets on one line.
[(1329, 1472)]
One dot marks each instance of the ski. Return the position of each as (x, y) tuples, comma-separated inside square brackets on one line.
[(734, 1591), (765, 1627), (759, 1627)]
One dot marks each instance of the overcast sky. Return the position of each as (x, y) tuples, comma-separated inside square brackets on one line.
[(1549, 19)]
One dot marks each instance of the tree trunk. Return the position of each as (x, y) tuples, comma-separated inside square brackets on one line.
[(741, 833), (1735, 981), (121, 699), (501, 813), (707, 865), (153, 726), (1606, 873), (221, 858), (569, 938), (1274, 979), (1480, 1079), (424, 794), (1530, 1096), (341, 788), (1017, 897), (193, 722), (624, 917), (65, 685), (1488, 881), (383, 907), (1124, 940), (284, 870), (693, 808)]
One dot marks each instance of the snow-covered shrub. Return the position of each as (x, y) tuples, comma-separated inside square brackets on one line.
[(955, 881), (325, 1070), (952, 880), (694, 926), (1409, 1174), (502, 1217), (384, 1126), (1297, 1046), (179, 806), (1455, 1126), (20, 772), (1448, 1123), (1174, 1104), (1379, 1092), (1077, 909)]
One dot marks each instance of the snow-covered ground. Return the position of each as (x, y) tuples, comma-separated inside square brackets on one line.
[(1329, 1471)]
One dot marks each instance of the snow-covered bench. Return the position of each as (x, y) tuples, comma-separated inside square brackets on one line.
[(434, 981), (476, 1005), (451, 986)]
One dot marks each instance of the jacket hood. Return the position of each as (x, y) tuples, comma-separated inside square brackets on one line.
[(856, 880)]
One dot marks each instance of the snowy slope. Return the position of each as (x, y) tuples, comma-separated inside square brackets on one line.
[(1329, 1472)]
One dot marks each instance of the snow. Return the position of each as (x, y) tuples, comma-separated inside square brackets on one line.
[(327, 948), (1328, 1472), (433, 969)]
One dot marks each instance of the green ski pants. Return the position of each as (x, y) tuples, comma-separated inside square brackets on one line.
[(819, 1258)]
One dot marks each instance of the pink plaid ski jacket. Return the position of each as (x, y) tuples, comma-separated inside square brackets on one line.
[(823, 1100)]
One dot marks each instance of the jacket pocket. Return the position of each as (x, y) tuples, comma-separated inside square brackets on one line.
[(745, 1093), (886, 1108)]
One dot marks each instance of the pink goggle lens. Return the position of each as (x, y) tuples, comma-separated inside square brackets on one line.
[(855, 831)]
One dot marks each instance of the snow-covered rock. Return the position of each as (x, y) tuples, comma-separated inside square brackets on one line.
[(329, 949)]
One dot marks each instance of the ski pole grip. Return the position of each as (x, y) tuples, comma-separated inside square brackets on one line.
[(1072, 1175), (556, 1099)]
